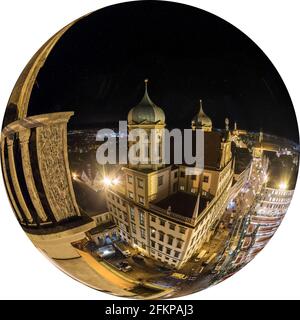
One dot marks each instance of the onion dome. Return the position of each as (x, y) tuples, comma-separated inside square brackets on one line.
[(201, 120), (146, 112)]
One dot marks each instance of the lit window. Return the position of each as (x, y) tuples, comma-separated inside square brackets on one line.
[(133, 227), (142, 217), (153, 232), (131, 213), (129, 179), (193, 190), (143, 234), (181, 188)]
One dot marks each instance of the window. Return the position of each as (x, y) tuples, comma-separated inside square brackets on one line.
[(140, 183), (153, 219), (176, 254), (142, 217), (160, 180), (162, 222), (143, 246), (179, 243), (131, 209), (166, 258), (182, 174), (143, 234), (160, 247), (175, 174), (152, 243), (193, 177), (170, 240), (125, 216), (133, 227), (172, 226), (129, 179), (182, 230), (153, 232), (168, 250), (135, 241), (193, 190), (181, 188), (141, 199), (161, 236), (127, 229), (130, 194), (205, 179)]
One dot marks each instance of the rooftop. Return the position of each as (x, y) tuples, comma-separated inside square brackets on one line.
[(181, 203), (92, 202), (102, 227)]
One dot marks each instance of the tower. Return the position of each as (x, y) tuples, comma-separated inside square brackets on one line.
[(148, 121), (201, 120)]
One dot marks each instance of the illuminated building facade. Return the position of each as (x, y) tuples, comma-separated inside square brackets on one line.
[(160, 210)]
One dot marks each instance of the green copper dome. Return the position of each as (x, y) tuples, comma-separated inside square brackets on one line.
[(146, 111)]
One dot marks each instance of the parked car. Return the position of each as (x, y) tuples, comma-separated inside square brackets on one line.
[(124, 266), (138, 257)]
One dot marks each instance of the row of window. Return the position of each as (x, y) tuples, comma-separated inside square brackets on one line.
[(141, 199), (117, 199), (193, 176), (140, 182), (161, 248), (172, 226)]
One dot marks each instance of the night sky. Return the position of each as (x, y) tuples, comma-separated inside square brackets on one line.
[(98, 67)]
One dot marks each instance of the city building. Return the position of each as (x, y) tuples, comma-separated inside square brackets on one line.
[(158, 209)]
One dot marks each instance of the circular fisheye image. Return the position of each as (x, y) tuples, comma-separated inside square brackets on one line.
[(150, 149)]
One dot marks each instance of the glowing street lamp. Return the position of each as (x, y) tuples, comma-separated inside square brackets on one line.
[(110, 182), (282, 186), (74, 175), (115, 181), (107, 181)]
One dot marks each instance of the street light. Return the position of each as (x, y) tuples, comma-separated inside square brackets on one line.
[(283, 186), (107, 181), (74, 175), (110, 182)]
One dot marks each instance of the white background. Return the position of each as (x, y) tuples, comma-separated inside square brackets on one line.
[(26, 25)]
